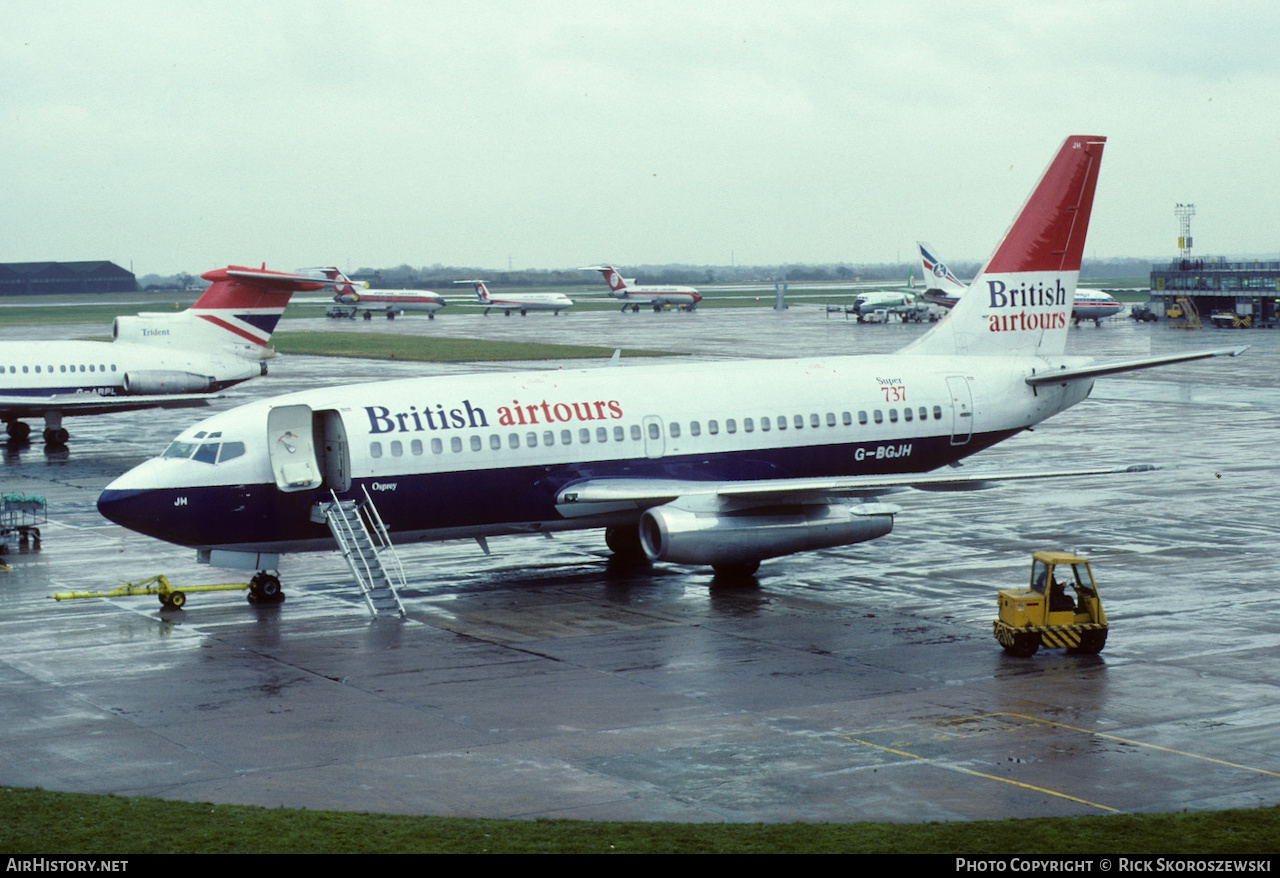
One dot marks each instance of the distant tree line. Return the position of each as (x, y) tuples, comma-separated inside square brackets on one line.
[(442, 276)]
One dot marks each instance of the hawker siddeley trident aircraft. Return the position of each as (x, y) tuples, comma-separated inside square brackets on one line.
[(764, 458), (153, 360)]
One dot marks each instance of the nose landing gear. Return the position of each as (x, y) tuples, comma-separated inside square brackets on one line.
[(265, 588)]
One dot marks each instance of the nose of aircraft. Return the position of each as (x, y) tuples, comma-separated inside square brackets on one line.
[(129, 502), (697, 297)]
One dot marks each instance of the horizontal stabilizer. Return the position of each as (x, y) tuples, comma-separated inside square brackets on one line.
[(1059, 376), (272, 279)]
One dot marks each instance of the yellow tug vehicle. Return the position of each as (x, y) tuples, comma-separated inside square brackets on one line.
[(1060, 609)]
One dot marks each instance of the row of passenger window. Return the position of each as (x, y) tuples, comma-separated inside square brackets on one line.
[(532, 438), (13, 370), (513, 440), (798, 421)]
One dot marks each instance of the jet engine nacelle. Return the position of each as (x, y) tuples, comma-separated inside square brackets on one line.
[(150, 328), (694, 531), (163, 381)]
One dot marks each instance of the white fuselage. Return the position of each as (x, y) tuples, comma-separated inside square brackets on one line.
[(393, 300), (55, 368), (870, 301), (483, 455), (658, 295), (1092, 305), (524, 302)]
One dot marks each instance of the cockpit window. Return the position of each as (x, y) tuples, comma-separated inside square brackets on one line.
[(205, 452), (180, 449)]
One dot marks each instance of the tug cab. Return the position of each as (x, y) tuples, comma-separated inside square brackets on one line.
[(1060, 608)]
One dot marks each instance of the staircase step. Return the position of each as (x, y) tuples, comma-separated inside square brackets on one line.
[(350, 529)]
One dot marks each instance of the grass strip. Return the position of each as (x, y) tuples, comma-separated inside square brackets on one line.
[(436, 349), (37, 822)]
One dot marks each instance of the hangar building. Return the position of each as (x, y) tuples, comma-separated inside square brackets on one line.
[(58, 278)]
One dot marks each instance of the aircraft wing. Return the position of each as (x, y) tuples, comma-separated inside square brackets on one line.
[(92, 404), (1097, 370), (638, 493)]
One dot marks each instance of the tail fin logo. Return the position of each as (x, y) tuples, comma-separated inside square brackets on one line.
[(1021, 300), (248, 302), (936, 268)]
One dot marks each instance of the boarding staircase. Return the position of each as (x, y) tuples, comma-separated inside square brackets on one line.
[(362, 539), (1188, 318)]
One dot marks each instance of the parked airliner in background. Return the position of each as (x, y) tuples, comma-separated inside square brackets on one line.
[(865, 303), (1094, 305), (360, 298), (766, 458), (633, 295), (153, 360), (944, 289), (941, 286), (522, 302)]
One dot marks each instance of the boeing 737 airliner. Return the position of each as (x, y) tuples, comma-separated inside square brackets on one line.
[(763, 459), (153, 360)]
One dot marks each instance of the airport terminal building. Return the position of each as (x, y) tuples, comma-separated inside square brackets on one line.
[(1242, 294), (60, 278)]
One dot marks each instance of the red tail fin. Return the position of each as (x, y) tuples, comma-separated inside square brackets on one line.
[(248, 302), (1020, 303), (1049, 233)]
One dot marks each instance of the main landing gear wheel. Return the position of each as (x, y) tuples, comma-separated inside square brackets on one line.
[(18, 430), (624, 542), (736, 569), (56, 436), (265, 588)]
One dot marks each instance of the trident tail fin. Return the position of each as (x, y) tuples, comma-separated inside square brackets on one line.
[(1020, 303), (246, 303)]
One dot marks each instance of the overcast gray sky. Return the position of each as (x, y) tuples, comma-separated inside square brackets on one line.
[(182, 136)]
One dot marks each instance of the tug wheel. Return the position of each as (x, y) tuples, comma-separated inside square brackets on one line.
[(1091, 642), (1024, 645)]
